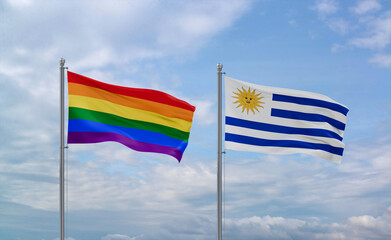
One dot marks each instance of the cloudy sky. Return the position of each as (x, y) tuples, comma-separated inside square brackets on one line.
[(338, 48)]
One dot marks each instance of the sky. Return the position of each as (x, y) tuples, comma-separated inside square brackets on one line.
[(338, 48)]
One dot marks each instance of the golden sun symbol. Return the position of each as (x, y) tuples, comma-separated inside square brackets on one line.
[(248, 100)]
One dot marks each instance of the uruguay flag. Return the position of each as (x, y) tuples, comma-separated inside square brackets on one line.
[(282, 121)]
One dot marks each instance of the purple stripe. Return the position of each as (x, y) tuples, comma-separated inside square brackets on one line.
[(96, 137)]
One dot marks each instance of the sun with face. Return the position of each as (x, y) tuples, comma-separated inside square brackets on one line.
[(248, 100)]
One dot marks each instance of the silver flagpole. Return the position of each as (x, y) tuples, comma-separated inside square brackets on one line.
[(62, 68), (219, 152)]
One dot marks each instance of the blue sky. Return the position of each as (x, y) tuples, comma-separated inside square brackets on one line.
[(341, 49)]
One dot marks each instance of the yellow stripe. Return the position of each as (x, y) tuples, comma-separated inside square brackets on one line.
[(127, 112)]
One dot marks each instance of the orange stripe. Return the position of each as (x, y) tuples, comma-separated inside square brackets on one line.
[(163, 109)]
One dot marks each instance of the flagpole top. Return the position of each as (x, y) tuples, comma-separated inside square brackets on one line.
[(219, 67), (62, 61)]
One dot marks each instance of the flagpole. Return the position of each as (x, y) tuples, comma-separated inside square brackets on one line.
[(62, 147), (219, 152)]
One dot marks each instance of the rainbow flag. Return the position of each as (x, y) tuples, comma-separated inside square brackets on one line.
[(142, 119)]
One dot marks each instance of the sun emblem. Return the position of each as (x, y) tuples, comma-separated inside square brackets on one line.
[(248, 100)]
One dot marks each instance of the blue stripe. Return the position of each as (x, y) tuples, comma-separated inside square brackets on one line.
[(282, 143), (281, 129), (311, 102), (81, 125), (307, 117)]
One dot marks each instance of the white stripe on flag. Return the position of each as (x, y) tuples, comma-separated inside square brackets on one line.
[(281, 151), (283, 121), (277, 136)]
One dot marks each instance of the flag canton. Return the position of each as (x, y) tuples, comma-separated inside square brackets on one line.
[(248, 103)]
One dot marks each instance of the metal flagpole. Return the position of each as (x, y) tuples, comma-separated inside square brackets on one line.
[(219, 152), (62, 147)]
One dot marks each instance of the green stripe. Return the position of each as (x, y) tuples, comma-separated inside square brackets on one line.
[(111, 119)]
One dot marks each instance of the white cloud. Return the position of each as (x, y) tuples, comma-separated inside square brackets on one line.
[(118, 237), (196, 21), (337, 47), (267, 221), (204, 114), (292, 22), (20, 3), (265, 228), (366, 227), (338, 25), (365, 6), (325, 7), (97, 58), (378, 35), (95, 34), (375, 33), (382, 60), (100, 184), (358, 228)]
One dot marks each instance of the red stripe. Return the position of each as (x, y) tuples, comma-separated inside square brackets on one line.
[(147, 94)]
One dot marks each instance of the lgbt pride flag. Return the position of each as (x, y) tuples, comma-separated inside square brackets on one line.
[(283, 121), (142, 119)]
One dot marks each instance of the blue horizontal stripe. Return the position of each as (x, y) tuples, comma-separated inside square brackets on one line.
[(311, 102), (81, 125), (307, 117), (282, 143), (281, 129)]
